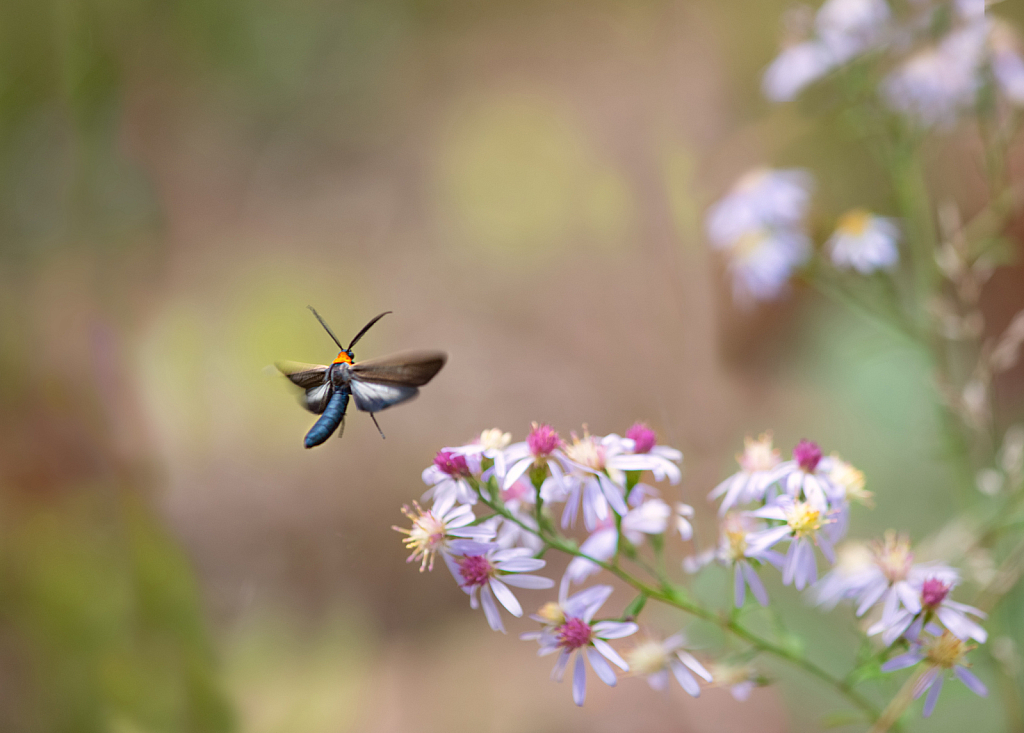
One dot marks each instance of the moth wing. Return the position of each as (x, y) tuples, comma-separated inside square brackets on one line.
[(304, 375), (316, 398), (413, 369), (377, 396)]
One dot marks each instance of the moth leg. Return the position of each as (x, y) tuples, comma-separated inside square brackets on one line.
[(374, 418)]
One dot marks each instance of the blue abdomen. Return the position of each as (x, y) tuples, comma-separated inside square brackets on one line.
[(329, 421)]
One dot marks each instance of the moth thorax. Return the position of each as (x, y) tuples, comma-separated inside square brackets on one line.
[(341, 374)]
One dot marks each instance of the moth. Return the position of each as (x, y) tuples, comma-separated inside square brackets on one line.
[(374, 385)]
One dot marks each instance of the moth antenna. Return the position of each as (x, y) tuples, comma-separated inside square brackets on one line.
[(327, 328), (365, 329)]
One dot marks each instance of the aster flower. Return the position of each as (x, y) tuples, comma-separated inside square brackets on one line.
[(806, 476), (762, 261), (569, 630), (443, 529), (936, 83), (893, 579), (762, 199), (448, 477), (485, 573), (683, 525), (591, 482), (491, 444), (641, 452), (540, 450), (934, 603), (655, 659), (847, 577), (519, 499), (942, 652), (797, 66), (736, 550), (851, 27), (757, 463), (848, 486), (864, 242), (802, 526)]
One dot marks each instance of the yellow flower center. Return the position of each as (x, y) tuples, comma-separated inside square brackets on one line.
[(850, 480), (893, 556), (803, 519), (427, 536), (552, 613), (758, 455), (495, 439), (947, 651), (854, 222), (647, 658), (586, 451)]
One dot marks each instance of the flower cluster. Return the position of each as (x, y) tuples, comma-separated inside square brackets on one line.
[(492, 517)]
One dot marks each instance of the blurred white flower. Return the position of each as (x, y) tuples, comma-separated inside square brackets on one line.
[(763, 198), (795, 68), (851, 27), (656, 659), (1007, 62), (935, 84), (762, 262), (864, 242), (757, 462)]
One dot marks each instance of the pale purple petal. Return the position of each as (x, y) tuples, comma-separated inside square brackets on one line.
[(756, 586), (506, 597), (933, 697), (685, 679), (973, 683), (910, 596), (614, 629), (579, 682), (517, 470), (691, 661), (520, 565), (739, 588), (772, 511), (601, 668), (491, 610), (586, 602), (871, 595), (792, 557), (559, 669), (613, 493), (610, 654), (908, 659), (961, 626), (533, 582)]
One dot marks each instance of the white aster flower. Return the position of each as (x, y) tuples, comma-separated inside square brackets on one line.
[(485, 573), (591, 481), (443, 529), (796, 67), (641, 452), (741, 679), (934, 603), (802, 526), (569, 630), (864, 242), (656, 659), (448, 478), (541, 450), (851, 27), (807, 476), (763, 198), (757, 462), (935, 84), (736, 550), (942, 652), (762, 261), (651, 517), (491, 444), (847, 577)]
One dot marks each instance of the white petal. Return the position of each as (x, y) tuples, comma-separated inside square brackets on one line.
[(610, 654), (601, 668), (491, 610), (614, 629), (506, 597), (533, 582), (579, 682)]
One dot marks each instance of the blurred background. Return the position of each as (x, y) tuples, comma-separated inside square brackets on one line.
[(522, 183)]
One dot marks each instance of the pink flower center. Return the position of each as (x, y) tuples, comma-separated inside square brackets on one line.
[(643, 437), (933, 592), (543, 440), (475, 569), (807, 454), (574, 633), (451, 464)]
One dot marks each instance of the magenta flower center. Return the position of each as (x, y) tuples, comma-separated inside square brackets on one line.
[(807, 454), (574, 633), (451, 464), (933, 592), (643, 437), (543, 440), (475, 569)]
